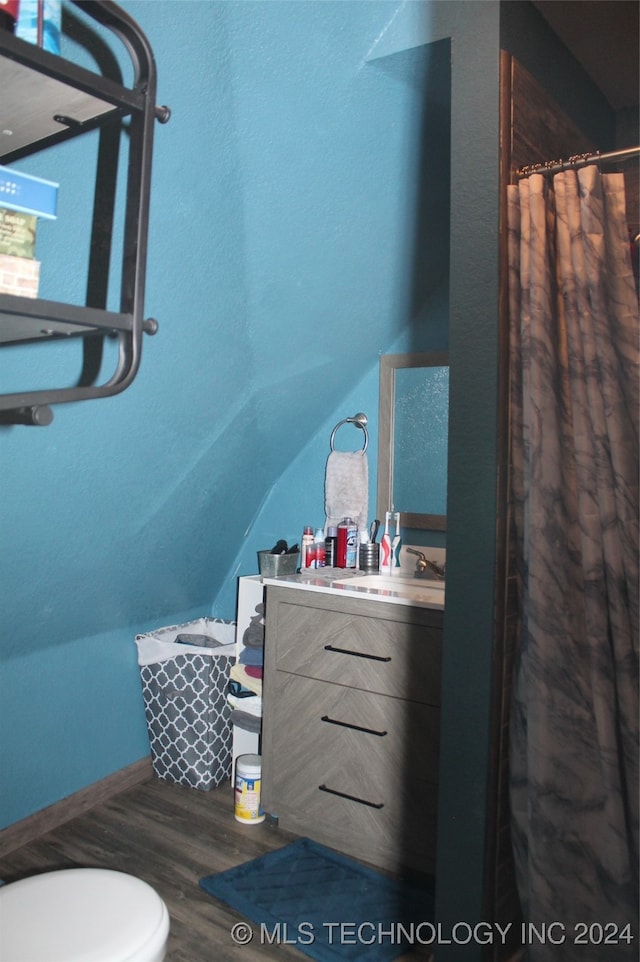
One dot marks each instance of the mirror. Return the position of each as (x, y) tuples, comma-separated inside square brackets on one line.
[(413, 430)]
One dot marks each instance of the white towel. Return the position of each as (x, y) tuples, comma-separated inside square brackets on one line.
[(346, 488)]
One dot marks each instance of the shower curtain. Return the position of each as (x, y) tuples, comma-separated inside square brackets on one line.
[(574, 491)]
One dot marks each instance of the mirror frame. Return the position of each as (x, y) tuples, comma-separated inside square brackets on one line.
[(389, 364)]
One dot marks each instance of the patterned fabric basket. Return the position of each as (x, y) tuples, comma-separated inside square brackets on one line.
[(185, 702)]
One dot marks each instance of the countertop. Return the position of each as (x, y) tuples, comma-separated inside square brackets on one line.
[(324, 580)]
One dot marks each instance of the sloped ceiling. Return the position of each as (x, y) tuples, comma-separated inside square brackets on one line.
[(603, 36)]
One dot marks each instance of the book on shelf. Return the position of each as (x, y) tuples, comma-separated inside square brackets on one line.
[(19, 276), (17, 233), (28, 194)]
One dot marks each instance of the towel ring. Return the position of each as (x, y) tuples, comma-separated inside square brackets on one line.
[(360, 421)]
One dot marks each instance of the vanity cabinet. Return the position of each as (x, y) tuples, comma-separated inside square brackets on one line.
[(351, 724)]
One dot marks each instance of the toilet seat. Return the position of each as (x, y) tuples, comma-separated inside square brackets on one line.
[(82, 915)]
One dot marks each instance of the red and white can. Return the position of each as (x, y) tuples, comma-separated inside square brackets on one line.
[(347, 546)]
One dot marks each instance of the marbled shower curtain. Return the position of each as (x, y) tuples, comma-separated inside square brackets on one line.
[(574, 449)]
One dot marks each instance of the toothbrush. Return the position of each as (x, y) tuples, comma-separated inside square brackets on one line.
[(385, 546), (395, 544)]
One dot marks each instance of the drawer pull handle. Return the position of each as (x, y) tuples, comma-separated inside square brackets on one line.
[(352, 798), (357, 654), (357, 728)]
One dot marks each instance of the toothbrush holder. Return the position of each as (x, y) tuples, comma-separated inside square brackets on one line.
[(369, 556)]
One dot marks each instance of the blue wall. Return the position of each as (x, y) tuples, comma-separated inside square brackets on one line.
[(296, 234)]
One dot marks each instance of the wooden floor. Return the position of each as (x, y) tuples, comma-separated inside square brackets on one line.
[(171, 837)]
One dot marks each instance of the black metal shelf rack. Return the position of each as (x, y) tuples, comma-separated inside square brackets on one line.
[(47, 100)]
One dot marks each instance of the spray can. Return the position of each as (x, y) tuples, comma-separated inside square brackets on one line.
[(330, 547), (306, 545), (319, 550), (347, 546)]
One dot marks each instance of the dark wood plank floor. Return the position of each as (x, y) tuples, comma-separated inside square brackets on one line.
[(170, 836)]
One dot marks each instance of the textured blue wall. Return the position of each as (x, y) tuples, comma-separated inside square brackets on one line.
[(292, 240)]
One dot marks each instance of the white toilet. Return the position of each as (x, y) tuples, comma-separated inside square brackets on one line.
[(82, 915)]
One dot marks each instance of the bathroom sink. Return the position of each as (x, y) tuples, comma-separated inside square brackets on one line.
[(393, 581), (401, 586)]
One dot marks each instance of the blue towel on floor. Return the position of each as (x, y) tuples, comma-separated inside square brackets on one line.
[(305, 892)]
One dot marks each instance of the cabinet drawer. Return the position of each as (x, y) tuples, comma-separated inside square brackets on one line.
[(401, 658), (355, 771), (400, 836), (359, 743)]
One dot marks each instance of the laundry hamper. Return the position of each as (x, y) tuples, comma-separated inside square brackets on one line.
[(184, 687)]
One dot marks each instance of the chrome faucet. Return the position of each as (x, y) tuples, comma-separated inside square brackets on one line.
[(426, 568)]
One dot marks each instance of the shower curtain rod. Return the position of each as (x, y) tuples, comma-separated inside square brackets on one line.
[(579, 160)]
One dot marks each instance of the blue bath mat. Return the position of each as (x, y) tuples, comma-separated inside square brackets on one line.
[(326, 905)]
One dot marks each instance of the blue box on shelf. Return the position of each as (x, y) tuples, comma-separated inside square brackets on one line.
[(30, 195)]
